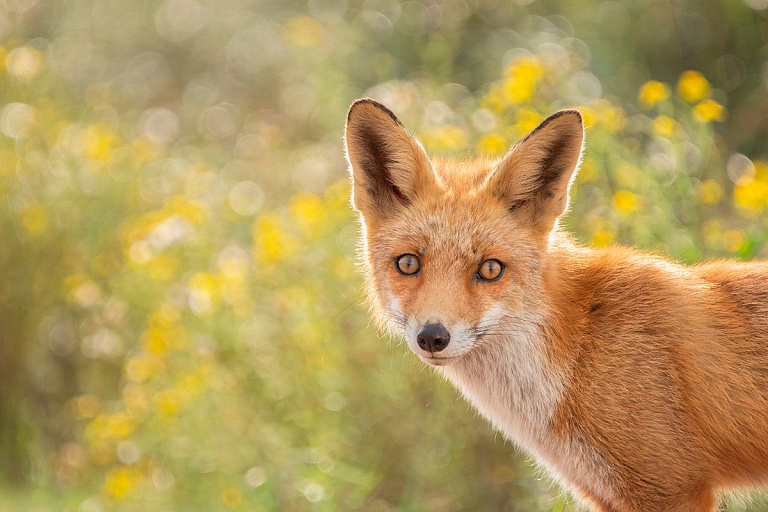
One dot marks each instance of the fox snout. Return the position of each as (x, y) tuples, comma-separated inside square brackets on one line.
[(433, 337), (438, 343)]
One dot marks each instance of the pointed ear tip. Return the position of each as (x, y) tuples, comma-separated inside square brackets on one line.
[(369, 104), (572, 113)]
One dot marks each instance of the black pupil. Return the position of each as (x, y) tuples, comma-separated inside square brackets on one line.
[(407, 264)]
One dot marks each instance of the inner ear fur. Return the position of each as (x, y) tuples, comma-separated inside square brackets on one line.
[(388, 165), (534, 177)]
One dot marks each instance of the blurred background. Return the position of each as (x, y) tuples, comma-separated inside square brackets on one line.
[(182, 325)]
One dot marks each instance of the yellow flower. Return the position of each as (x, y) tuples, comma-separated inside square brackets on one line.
[(270, 241), (309, 212), (99, 143), (602, 238), (751, 196), (444, 139), (613, 118), (665, 126), (589, 116), (304, 31), (105, 426), (710, 192), (527, 119), (651, 93), (625, 201), (492, 144), (141, 369), (522, 77), (162, 268), (204, 293), (708, 110), (232, 497), (180, 205), (167, 404), (692, 86), (35, 220), (121, 482)]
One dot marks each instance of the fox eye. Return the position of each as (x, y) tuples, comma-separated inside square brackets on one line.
[(490, 270), (408, 264)]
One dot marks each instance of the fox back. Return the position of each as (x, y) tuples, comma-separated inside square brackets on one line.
[(639, 384)]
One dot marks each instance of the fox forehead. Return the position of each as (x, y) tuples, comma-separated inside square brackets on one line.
[(461, 227)]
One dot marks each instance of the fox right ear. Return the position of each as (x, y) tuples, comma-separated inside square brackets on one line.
[(387, 164)]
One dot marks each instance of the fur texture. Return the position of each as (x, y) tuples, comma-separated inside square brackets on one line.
[(640, 384)]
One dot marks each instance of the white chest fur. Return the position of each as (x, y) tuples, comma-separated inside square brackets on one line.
[(513, 384)]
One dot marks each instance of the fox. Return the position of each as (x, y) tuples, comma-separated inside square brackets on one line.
[(639, 384)]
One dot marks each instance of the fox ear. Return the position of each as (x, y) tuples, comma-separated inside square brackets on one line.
[(388, 165), (534, 177)]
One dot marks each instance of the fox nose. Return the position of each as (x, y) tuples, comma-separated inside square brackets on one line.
[(433, 337)]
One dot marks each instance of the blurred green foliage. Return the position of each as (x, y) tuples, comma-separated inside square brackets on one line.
[(182, 324)]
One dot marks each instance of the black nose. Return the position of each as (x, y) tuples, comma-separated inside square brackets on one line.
[(433, 337)]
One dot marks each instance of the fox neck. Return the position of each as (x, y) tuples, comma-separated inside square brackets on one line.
[(518, 381)]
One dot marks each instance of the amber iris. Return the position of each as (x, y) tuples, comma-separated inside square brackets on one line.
[(490, 270), (408, 264)]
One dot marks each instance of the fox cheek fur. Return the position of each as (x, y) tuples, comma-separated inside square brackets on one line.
[(640, 384)]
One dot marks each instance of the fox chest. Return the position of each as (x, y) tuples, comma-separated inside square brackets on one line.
[(522, 407)]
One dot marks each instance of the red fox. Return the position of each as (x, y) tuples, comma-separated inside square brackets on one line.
[(639, 384)]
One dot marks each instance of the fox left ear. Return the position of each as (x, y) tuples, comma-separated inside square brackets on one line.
[(534, 177), (388, 166)]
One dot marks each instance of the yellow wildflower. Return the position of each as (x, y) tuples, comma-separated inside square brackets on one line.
[(710, 192), (625, 201), (492, 144), (651, 93), (708, 110), (232, 497), (444, 139), (613, 118), (665, 126), (522, 77), (120, 482), (203, 293), (167, 404), (99, 143), (752, 196), (692, 86), (602, 238), (309, 213), (527, 119), (270, 241)]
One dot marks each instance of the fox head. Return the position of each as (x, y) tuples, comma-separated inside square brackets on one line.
[(455, 251)]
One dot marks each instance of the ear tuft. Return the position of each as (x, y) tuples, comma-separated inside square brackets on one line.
[(535, 175), (388, 165)]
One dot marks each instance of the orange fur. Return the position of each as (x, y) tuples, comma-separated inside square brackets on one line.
[(640, 384)]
